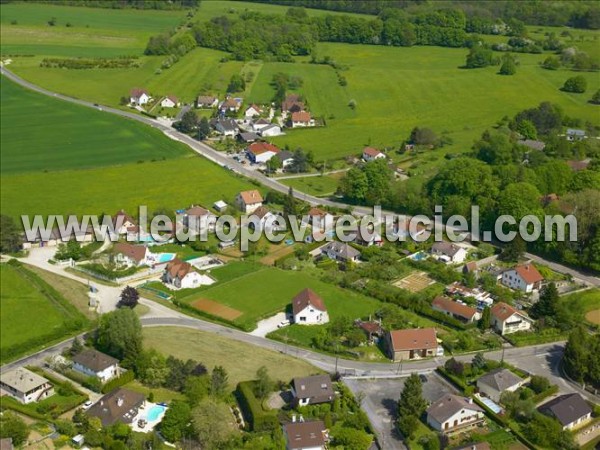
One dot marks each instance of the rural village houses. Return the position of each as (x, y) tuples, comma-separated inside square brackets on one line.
[(249, 201), (93, 363), (312, 390), (506, 319), (26, 386), (309, 309), (453, 412), (415, 343)]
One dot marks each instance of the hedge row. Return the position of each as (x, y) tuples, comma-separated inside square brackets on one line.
[(545, 394), (115, 383), (257, 418)]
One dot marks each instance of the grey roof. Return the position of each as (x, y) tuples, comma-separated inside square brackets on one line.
[(342, 250), (575, 132), (447, 248), (302, 435), (448, 405), (314, 386), (268, 127), (284, 154), (500, 379), (120, 405), (566, 408), (249, 137), (22, 379), (224, 124), (94, 360), (534, 145)]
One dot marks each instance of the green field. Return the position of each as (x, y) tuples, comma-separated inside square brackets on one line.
[(213, 350), (23, 298), (318, 186), (584, 305), (40, 133), (271, 290)]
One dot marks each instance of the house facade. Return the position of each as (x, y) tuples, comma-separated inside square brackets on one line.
[(459, 311), (123, 222), (312, 390), (25, 386), (340, 251), (139, 97), (497, 381), (309, 309), (414, 343), (118, 406), (181, 275), (261, 152), (571, 410), (302, 119), (449, 252), (270, 130), (524, 277), (199, 219), (371, 154), (506, 319), (305, 435), (207, 101), (93, 363), (452, 412), (249, 201), (252, 111), (170, 101), (131, 255), (225, 127)]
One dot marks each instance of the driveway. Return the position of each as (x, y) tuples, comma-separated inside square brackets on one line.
[(269, 324), (381, 396)]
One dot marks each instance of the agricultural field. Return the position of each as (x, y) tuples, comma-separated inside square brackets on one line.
[(213, 350), (23, 296), (40, 133)]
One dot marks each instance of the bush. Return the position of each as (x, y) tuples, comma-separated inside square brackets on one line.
[(125, 378), (258, 419), (576, 85)]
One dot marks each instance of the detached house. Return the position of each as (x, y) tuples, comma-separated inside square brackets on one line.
[(263, 219), (249, 201), (571, 410), (261, 152), (93, 363), (302, 119), (318, 218), (139, 97), (270, 130), (500, 380), (170, 101), (181, 275), (575, 135), (412, 343), (199, 218), (506, 319), (253, 111), (309, 309), (449, 252), (340, 251), (371, 154), (454, 309), (225, 127), (207, 101), (231, 104), (305, 435), (524, 277), (123, 222), (131, 255), (312, 390), (118, 406), (452, 412), (292, 103), (25, 385)]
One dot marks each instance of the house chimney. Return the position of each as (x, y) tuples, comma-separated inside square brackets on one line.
[(470, 401)]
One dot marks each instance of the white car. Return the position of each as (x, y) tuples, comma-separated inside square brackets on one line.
[(88, 404), (282, 324)]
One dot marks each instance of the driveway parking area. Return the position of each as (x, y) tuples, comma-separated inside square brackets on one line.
[(380, 398)]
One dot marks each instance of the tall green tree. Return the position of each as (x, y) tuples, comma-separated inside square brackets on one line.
[(120, 334), (486, 319), (219, 381), (175, 421), (203, 129), (411, 402), (547, 305), (10, 238), (264, 384), (13, 427), (211, 423), (509, 65), (576, 355)]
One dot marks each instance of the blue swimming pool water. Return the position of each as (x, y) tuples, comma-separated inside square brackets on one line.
[(419, 256), (165, 257), (155, 412)]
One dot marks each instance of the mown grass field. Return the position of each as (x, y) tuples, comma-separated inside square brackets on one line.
[(40, 133), (270, 290), (318, 186), (584, 304), (240, 360)]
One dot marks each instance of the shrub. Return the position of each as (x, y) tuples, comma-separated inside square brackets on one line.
[(258, 419), (125, 378), (576, 85)]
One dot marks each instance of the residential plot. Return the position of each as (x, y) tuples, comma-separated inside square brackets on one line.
[(415, 282)]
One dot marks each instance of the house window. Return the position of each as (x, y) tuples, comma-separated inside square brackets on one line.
[(302, 319)]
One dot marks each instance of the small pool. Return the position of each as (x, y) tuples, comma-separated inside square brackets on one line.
[(155, 412), (419, 256), (165, 257)]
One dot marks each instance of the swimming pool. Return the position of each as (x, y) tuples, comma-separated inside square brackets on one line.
[(418, 256), (155, 412), (164, 257)]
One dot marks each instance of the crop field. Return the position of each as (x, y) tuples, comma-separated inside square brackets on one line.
[(271, 290), (40, 133)]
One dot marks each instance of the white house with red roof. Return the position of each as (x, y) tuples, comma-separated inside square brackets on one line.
[(302, 119), (249, 201), (181, 275), (413, 343), (139, 96), (170, 101), (253, 111), (524, 277), (371, 154), (506, 319), (454, 309), (261, 152), (309, 309)]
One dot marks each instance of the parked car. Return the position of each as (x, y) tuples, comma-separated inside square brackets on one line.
[(88, 404), (283, 323)]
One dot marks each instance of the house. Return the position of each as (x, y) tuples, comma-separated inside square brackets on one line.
[(181, 275), (449, 252), (454, 309), (248, 137), (371, 154), (370, 238), (270, 130), (452, 412), (286, 158), (231, 104), (260, 124), (25, 385), (252, 111), (225, 127), (199, 219), (123, 222), (571, 410), (131, 255), (319, 218), (206, 101), (524, 277), (138, 97), (220, 206), (312, 390), (37, 241), (340, 251), (402, 230), (309, 309), (497, 381), (483, 298), (170, 101), (532, 144), (118, 406), (372, 329), (305, 435), (302, 119), (506, 319), (261, 152), (412, 343), (263, 219), (93, 363), (578, 166), (249, 201), (575, 135), (292, 103), (471, 267)]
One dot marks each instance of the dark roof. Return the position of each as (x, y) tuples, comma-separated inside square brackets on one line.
[(314, 386), (120, 405), (566, 408), (446, 248), (342, 250), (94, 360), (450, 404), (500, 379), (224, 124), (305, 434), (285, 155), (307, 297), (249, 137)]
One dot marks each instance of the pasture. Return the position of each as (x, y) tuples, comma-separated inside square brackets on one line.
[(320, 186), (213, 350), (271, 290), (40, 133)]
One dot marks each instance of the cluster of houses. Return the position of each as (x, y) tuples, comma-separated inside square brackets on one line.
[(140, 97)]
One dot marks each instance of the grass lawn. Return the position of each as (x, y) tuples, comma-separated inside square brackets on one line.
[(271, 290), (23, 296), (160, 394), (319, 186), (40, 133), (213, 350), (584, 304)]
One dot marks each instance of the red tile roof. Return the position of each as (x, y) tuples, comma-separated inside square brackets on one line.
[(529, 273), (414, 339), (503, 311), (137, 92), (135, 252), (251, 197), (258, 148), (458, 309), (301, 116), (178, 268), (305, 298), (370, 151)]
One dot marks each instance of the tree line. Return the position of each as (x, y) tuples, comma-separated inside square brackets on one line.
[(122, 4)]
